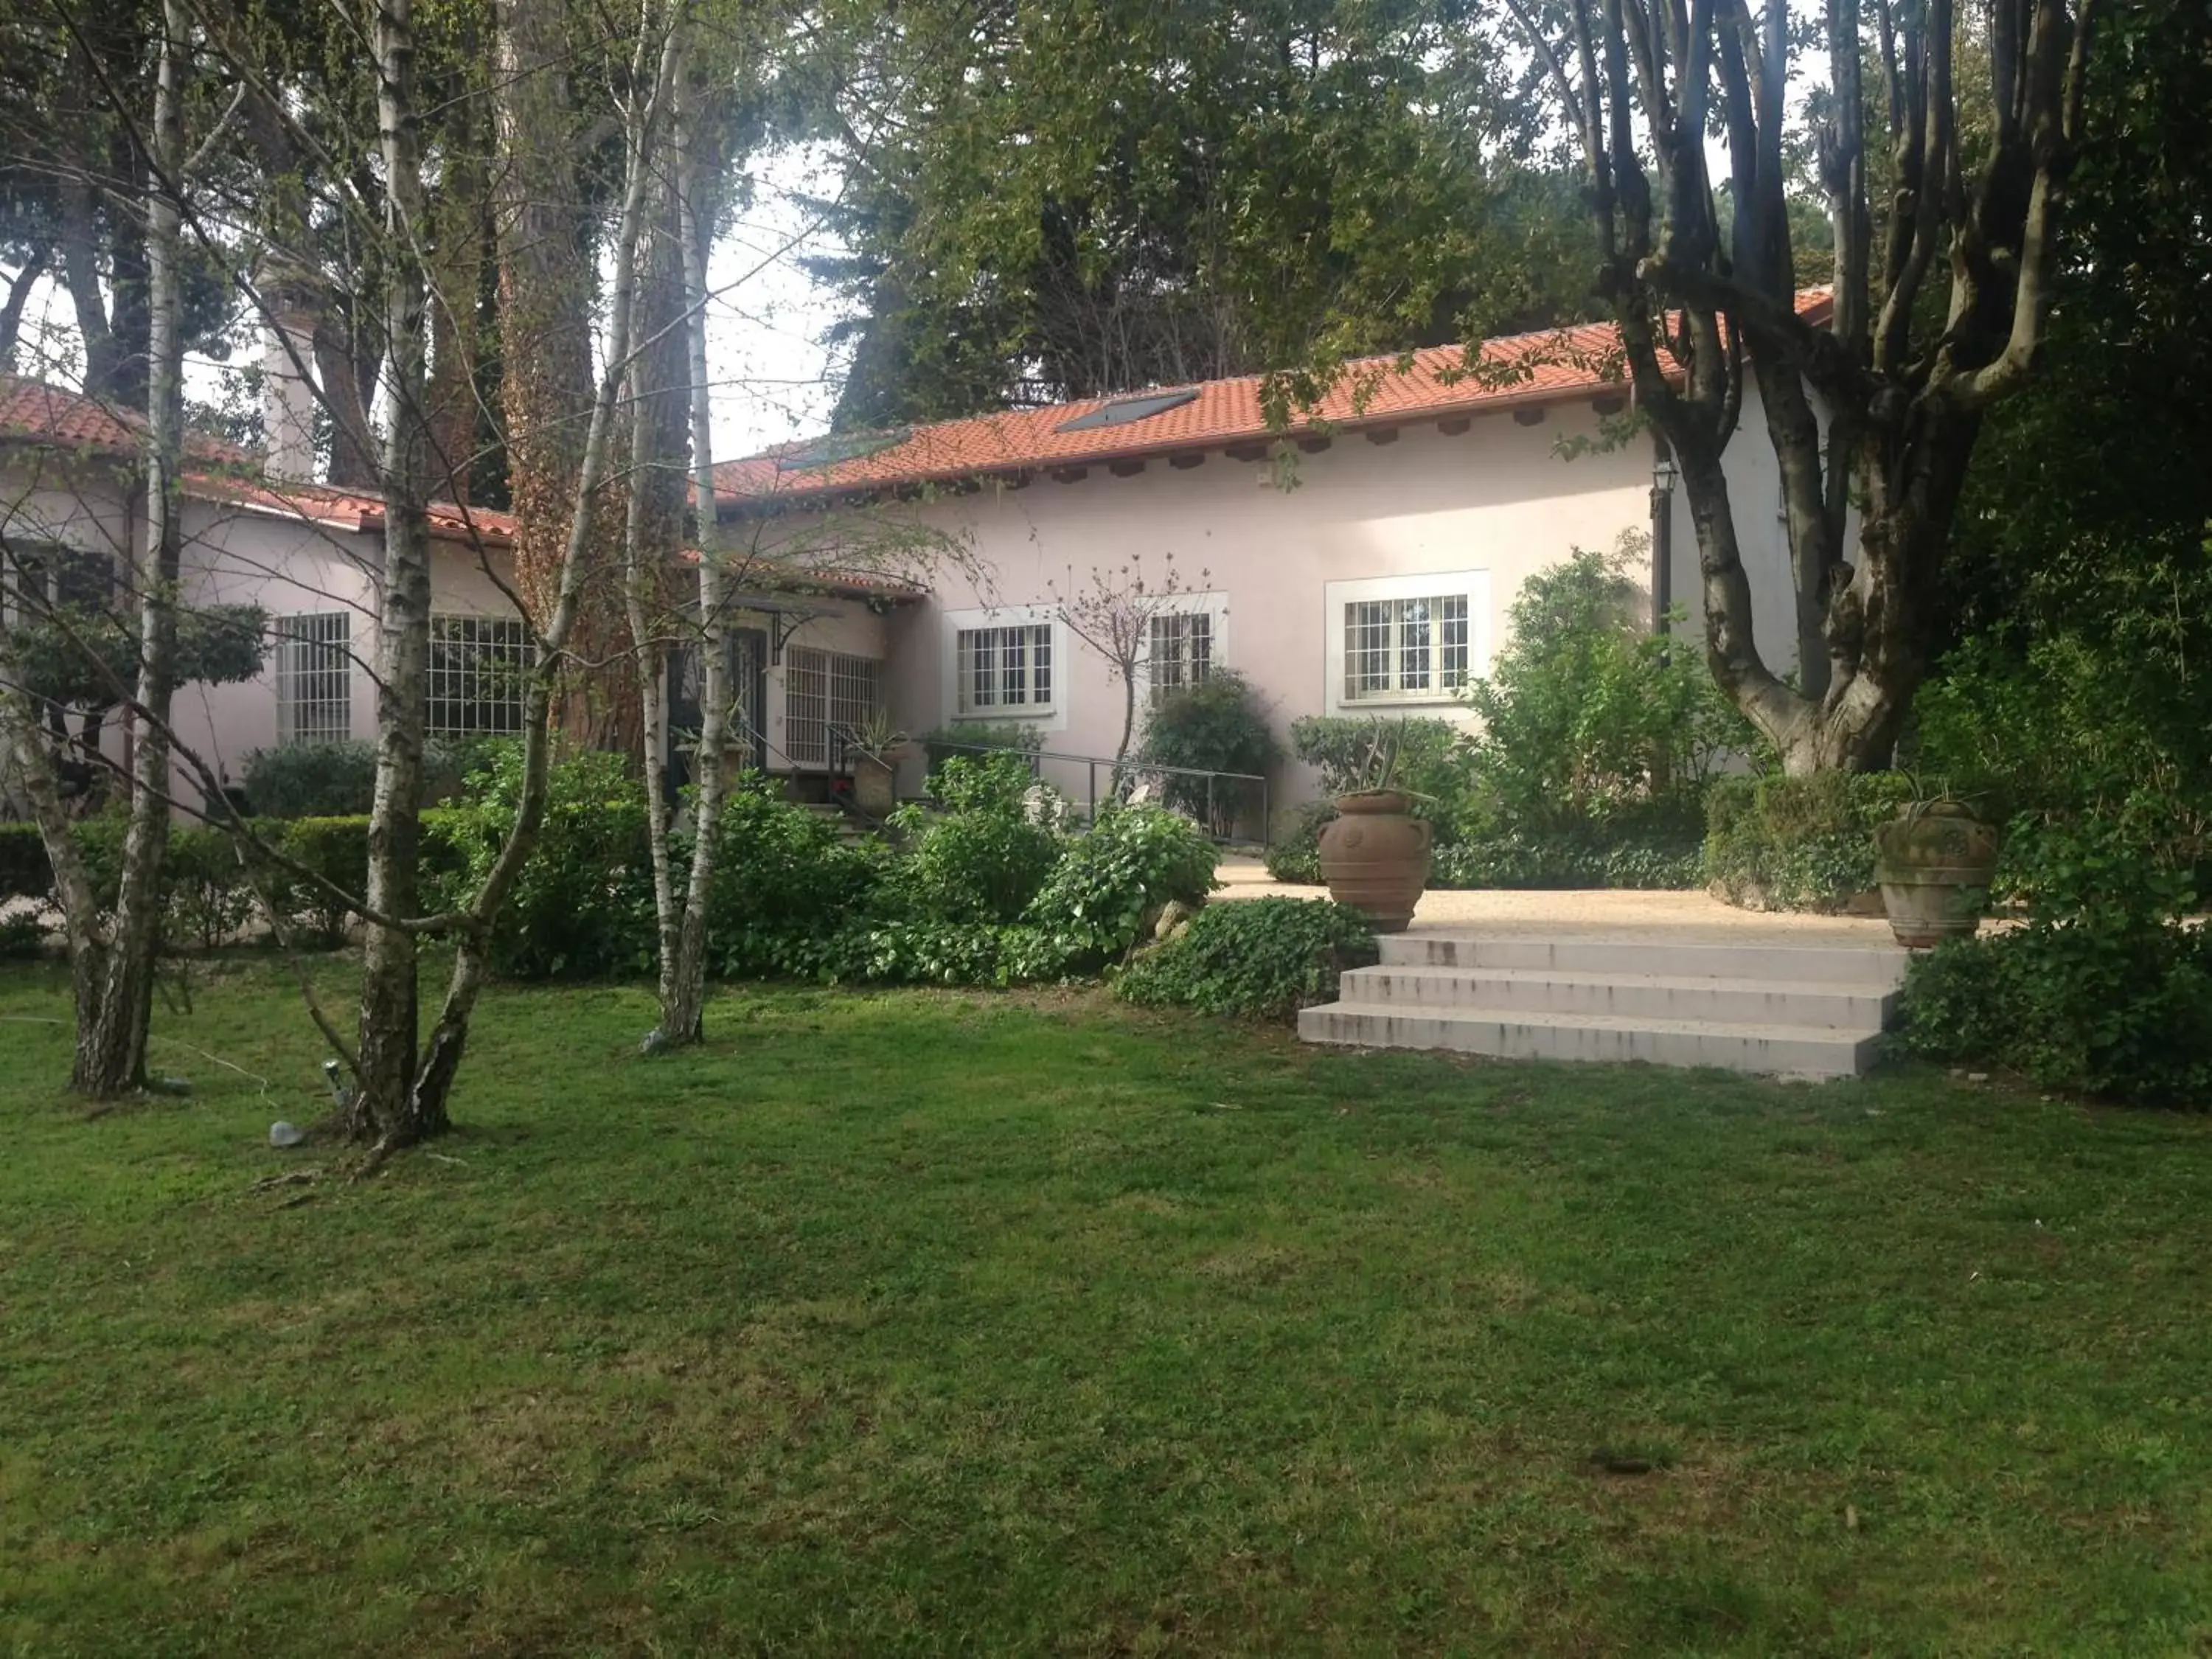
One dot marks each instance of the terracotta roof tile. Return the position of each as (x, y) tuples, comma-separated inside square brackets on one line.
[(1549, 366)]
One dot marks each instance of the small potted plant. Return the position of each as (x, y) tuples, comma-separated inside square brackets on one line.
[(872, 750), (1934, 862), (1375, 853)]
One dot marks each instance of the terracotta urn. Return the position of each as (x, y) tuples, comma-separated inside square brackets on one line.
[(1934, 863), (875, 783), (1375, 857)]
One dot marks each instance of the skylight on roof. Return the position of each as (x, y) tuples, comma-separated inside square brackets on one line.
[(837, 447), (1123, 410)]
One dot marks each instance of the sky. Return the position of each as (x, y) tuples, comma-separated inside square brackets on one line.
[(773, 379)]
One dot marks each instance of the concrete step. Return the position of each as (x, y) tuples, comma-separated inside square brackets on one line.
[(1810, 1051), (1881, 967), (1667, 996)]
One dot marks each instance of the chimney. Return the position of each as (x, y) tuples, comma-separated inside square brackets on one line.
[(288, 398)]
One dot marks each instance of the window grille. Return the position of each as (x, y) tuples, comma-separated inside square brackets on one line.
[(825, 691), (478, 667), (314, 677), (1008, 667), (1405, 649), (1182, 653)]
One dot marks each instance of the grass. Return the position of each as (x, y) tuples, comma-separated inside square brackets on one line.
[(917, 1324)]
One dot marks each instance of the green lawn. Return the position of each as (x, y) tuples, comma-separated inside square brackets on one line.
[(919, 1323)]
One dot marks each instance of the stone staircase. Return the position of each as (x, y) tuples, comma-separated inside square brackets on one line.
[(1798, 1010)]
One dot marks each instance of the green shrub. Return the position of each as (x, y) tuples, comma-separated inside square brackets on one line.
[(582, 905), (1432, 758), (2104, 990), (1215, 726), (1265, 957), (1586, 715), (783, 881), (1133, 861), (960, 742), (1294, 851), (338, 779), (1782, 843), (1592, 858), (985, 857), (335, 848), (312, 779)]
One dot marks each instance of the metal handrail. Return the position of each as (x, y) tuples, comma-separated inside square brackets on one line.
[(1092, 763)]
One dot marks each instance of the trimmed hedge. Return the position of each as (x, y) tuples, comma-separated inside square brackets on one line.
[(1782, 843), (1595, 857)]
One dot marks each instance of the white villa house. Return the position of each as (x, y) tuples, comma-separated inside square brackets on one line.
[(1377, 581)]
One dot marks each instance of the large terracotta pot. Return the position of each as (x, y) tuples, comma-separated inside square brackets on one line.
[(1375, 857), (875, 784), (1935, 859)]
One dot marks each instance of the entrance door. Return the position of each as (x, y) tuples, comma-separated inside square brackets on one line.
[(748, 724)]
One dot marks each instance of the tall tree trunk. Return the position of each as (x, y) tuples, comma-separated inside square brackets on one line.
[(111, 1038), (683, 987), (388, 1109), (546, 276), (448, 1039), (463, 223)]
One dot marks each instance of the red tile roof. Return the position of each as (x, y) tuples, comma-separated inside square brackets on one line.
[(1552, 366), (32, 410), (35, 412)]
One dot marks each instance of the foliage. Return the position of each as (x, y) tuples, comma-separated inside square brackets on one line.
[(24, 872), (939, 743), (89, 658), (1783, 843), (312, 779), (338, 779), (1606, 856), (1046, 204), (1585, 715), (2105, 989), (984, 858), (1422, 757), (782, 880), (1293, 852), (1215, 726), (1264, 958), (1111, 881), (2076, 615), (582, 904)]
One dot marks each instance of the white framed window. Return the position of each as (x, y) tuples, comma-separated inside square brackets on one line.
[(826, 691), (1005, 669), (1180, 653), (314, 677), (479, 665), (1397, 640), (41, 577)]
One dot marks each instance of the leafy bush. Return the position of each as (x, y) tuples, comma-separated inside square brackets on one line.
[(337, 849), (1294, 853), (1432, 758), (1782, 843), (1215, 726), (959, 742), (1267, 958), (312, 779), (338, 779), (1593, 857), (782, 881), (582, 904), (1585, 714), (986, 856), (2105, 990), (1134, 859)]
